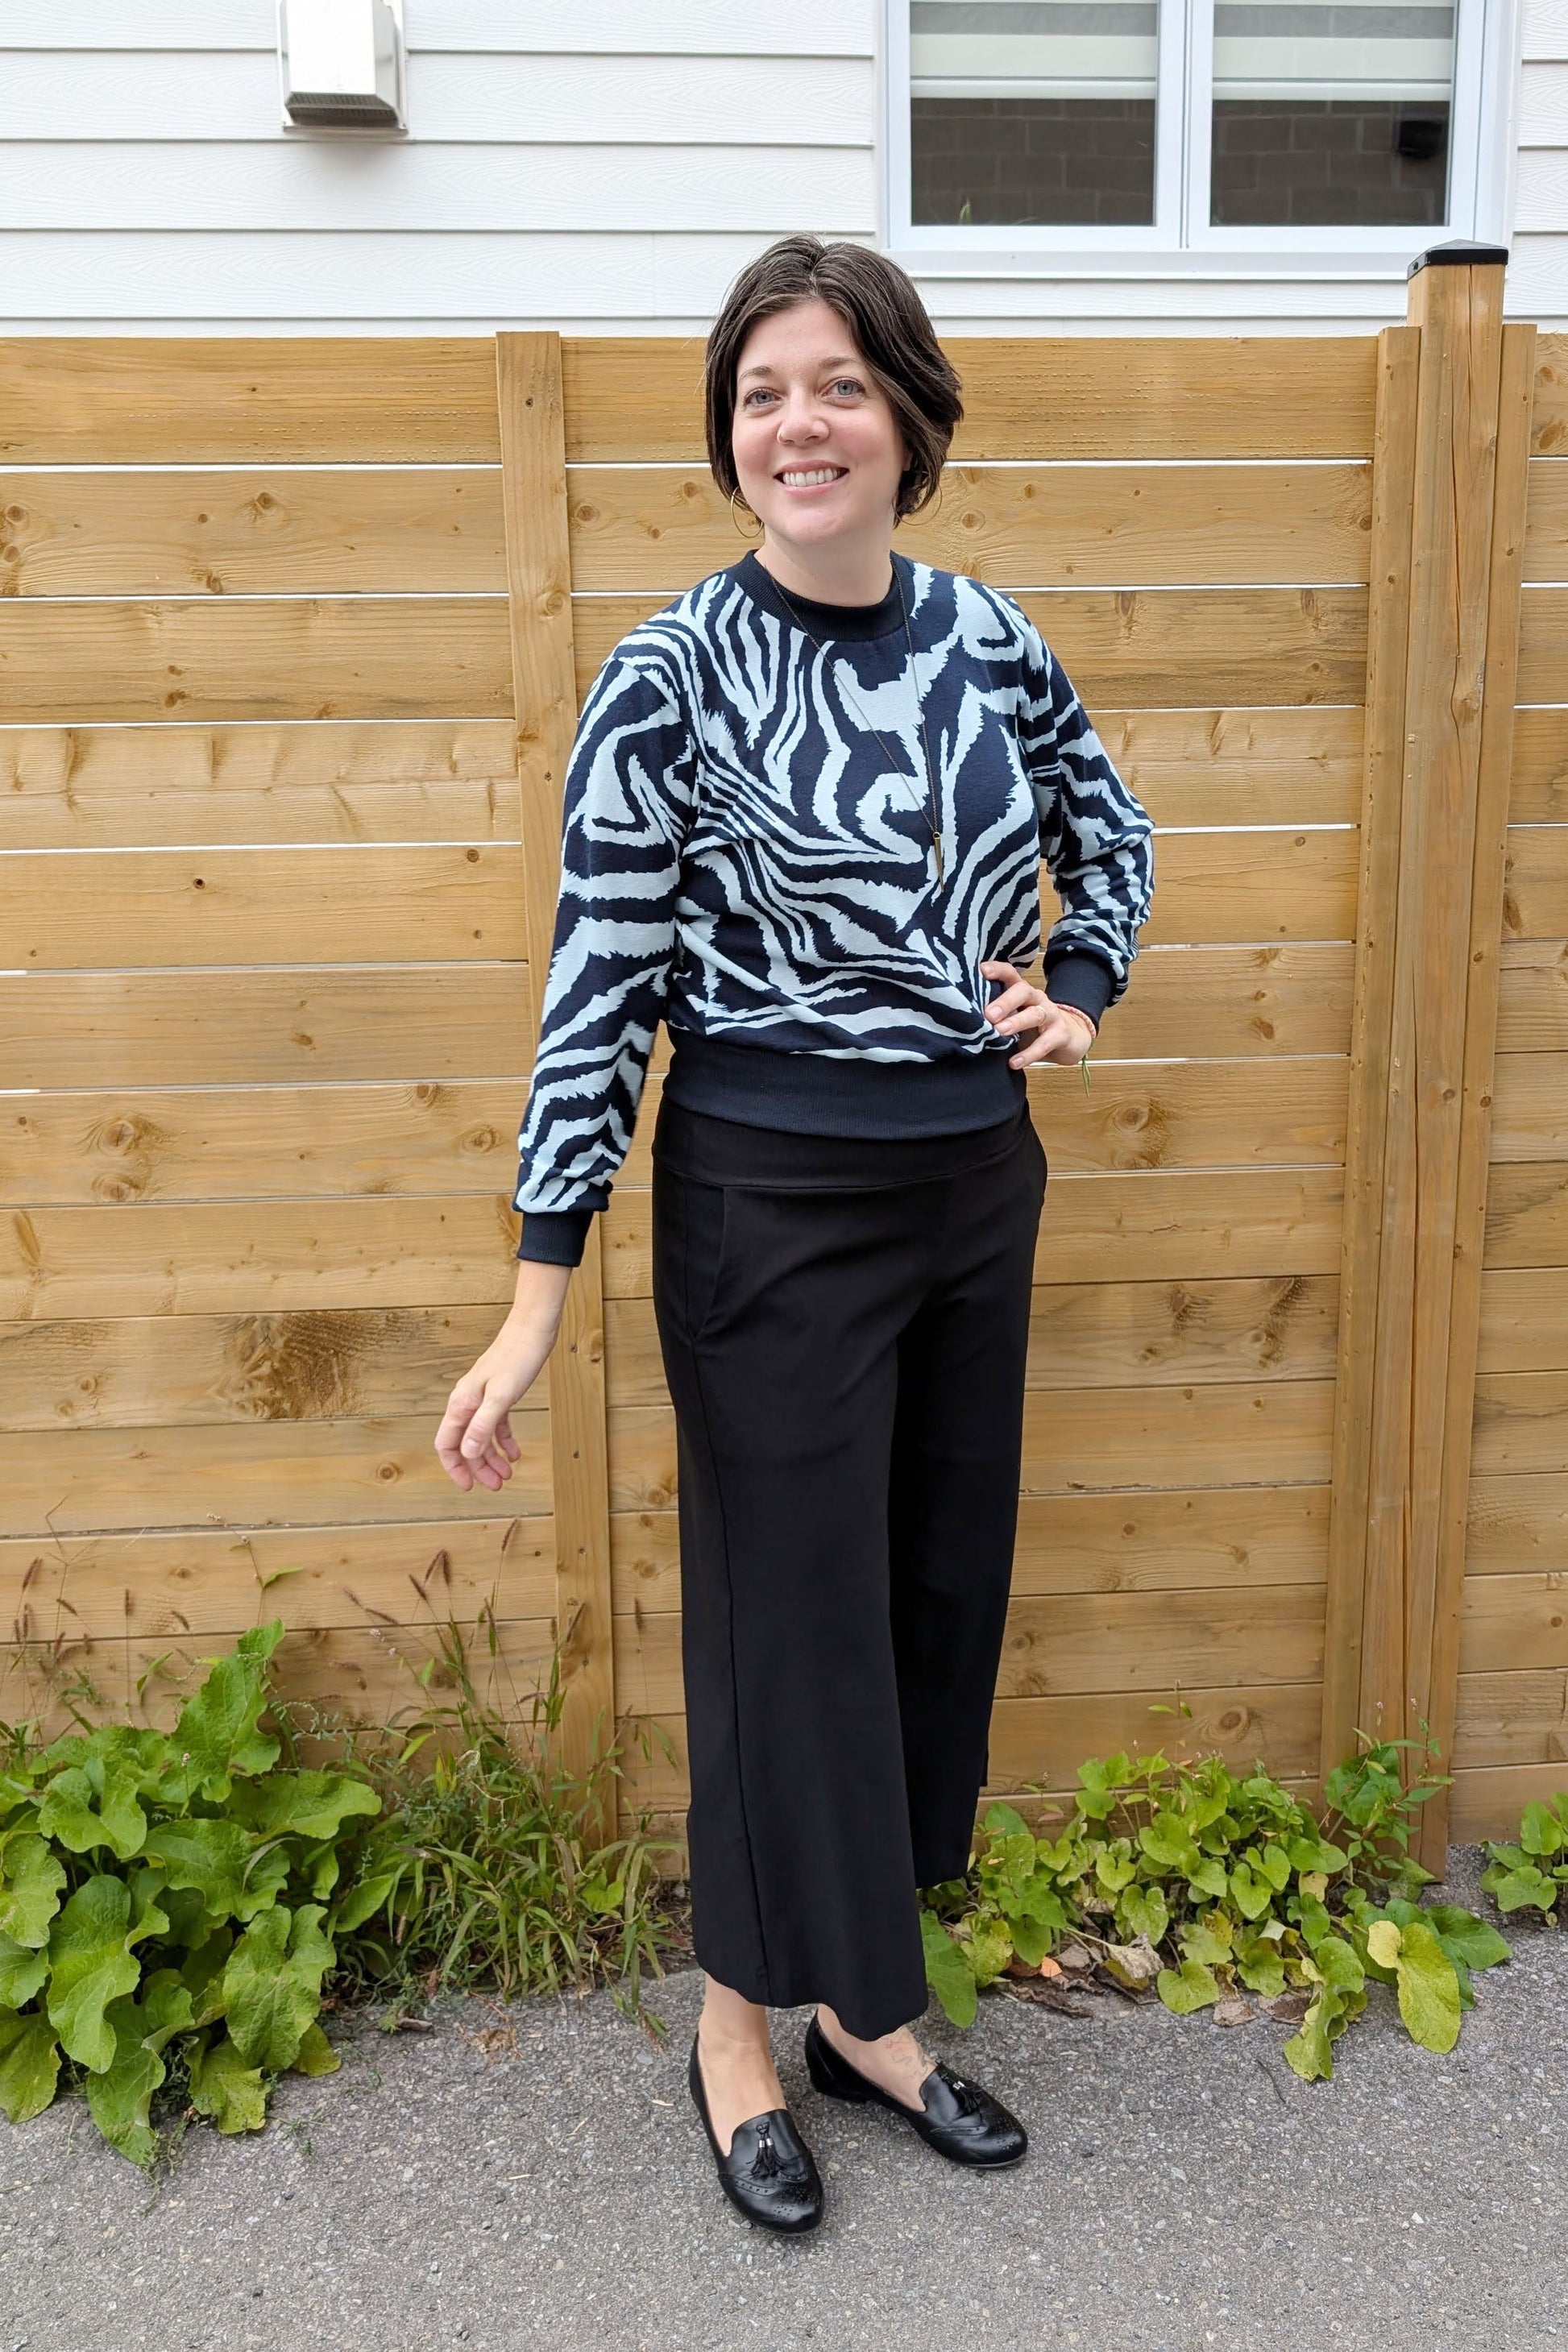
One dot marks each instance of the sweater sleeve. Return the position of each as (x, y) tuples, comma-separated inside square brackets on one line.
[(626, 805), (1095, 838)]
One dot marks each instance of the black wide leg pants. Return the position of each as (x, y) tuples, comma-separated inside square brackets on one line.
[(844, 1327)]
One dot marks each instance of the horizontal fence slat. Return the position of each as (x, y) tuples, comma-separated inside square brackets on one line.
[(1225, 1537), (1549, 413), (1215, 887), (189, 1372), (1530, 1113), (1517, 1524), (301, 780), (376, 1676), (1488, 1803), (656, 530), (1239, 767), (255, 531), (1538, 789), (1040, 397), (1177, 647), (1535, 882), (1044, 1740), (239, 1143), (1179, 1226), (1101, 1440), (1546, 519), (216, 1580), (1521, 1422), (215, 1027), (292, 658), (1140, 1115), (1544, 646), (1513, 1719), (1523, 1319), (1516, 1620), (435, 903), (1070, 1646), (216, 400), (1104, 1334), (1532, 1006), (74, 1482), (1527, 1212), (255, 1257)]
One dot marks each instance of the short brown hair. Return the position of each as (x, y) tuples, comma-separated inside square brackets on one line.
[(881, 307)]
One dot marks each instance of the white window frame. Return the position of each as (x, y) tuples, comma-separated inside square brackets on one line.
[(1181, 240)]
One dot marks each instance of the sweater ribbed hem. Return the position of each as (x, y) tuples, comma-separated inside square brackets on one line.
[(811, 1094)]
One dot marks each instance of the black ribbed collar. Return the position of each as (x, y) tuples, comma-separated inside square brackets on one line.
[(848, 622)]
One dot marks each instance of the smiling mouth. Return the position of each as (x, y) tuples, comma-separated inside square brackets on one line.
[(813, 478)]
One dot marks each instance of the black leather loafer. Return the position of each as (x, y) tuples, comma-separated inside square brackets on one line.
[(959, 2119), (770, 2175)]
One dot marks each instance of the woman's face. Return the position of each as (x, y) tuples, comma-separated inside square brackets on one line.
[(818, 449)]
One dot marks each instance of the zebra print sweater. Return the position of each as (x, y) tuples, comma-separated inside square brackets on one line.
[(741, 857)]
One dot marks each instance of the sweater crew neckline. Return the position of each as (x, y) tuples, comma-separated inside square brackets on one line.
[(849, 624)]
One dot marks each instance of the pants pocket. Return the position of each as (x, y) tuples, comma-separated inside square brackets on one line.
[(706, 1228)]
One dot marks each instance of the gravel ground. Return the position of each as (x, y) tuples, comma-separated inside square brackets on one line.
[(540, 2179)]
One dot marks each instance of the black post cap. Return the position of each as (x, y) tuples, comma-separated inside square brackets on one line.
[(1458, 249)]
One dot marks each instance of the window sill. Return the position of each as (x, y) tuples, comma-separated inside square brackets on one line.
[(1381, 268)]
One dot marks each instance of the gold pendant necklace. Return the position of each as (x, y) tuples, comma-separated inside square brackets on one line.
[(933, 811)]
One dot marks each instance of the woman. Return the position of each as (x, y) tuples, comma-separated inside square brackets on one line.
[(803, 821)]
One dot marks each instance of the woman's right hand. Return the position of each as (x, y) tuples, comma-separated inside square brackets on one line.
[(475, 1439)]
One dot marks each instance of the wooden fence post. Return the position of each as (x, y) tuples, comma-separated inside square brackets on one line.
[(539, 580), (1452, 448)]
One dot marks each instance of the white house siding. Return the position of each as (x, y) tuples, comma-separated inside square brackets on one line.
[(601, 166)]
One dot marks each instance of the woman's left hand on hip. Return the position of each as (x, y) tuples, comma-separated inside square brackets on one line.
[(1047, 1032)]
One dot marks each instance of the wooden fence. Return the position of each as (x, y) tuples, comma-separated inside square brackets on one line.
[(1297, 1435)]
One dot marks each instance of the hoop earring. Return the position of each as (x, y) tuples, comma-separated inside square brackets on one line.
[(735, 516)]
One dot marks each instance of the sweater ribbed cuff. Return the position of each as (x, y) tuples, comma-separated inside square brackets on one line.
[(555, 1236), (1081, 980)]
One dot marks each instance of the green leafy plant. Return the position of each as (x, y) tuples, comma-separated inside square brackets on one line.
[(486, 1870), (1534, 1873), (178, 1909), (168, 1903), (1205, 1887)]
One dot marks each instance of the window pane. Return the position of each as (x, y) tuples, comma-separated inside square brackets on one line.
[(1033, 110), (1331, 116)]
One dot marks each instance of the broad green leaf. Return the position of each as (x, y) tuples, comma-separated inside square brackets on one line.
[(218, 1733), (1272, 1862), (31, 1878), (363, 1902), (948, 1971), (30, 2066), (227, 2091), (1337, 1966), (1005, 1820), (1199, 1942), (1189, 1988), (308, 1804), (90, 1964), (1383, 1942), (1540, 1830), (1466, 1939), (317, 2055), (990, 1949), (1309, 2051), (120, 2098), (1261, 1967), (1209, 1877), (1428, 1989), (1511, 1890), (1114, 1871), (202, 1974), (272, 1984), (22, 1972), (1251, 1896), (1142, 1911), (1031, 1940), (223, 1862), (1167, 1841)]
